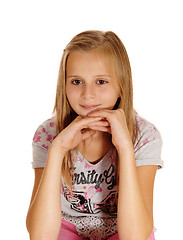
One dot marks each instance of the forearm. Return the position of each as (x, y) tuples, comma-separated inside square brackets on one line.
[(44, 216), (134, 220)]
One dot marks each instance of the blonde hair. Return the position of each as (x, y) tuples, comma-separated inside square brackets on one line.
[(111, 48)]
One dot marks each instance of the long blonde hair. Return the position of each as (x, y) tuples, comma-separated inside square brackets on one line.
[(111, 48)]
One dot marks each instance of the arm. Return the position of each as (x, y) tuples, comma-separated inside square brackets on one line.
[(44, 215), (135, 202)]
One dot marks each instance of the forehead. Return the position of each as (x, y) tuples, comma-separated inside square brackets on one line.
[(87, 61)]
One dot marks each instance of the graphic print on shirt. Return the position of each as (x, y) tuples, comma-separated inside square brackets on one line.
[(79, 203), (87, 185)]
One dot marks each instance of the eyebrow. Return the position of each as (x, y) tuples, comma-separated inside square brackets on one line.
[(98, 75), (102, 75)]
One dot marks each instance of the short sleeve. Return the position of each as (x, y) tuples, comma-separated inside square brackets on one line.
[(42, 140), (149, 145)]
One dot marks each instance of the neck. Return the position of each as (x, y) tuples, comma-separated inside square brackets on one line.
[(100, 138)]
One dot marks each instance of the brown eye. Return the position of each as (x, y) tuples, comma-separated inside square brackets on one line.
[(101, 82), (76, 82)]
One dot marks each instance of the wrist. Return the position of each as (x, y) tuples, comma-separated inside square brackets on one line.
[(125, 150), (56, 150)]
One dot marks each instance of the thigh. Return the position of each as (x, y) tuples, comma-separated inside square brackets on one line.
[(68, 231)]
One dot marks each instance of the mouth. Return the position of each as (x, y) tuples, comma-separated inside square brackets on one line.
[(89, 107)]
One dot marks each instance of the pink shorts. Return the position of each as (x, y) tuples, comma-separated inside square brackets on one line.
[(68, 232)]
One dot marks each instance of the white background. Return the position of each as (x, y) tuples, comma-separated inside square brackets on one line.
[(33, 36)]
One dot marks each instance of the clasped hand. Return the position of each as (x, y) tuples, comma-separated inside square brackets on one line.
[(105, 120), (117, 126)]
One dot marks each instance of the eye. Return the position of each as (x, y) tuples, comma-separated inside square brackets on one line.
[(101, 82), (76, 82)]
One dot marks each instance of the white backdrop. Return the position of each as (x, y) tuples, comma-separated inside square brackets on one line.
[(33, 36)]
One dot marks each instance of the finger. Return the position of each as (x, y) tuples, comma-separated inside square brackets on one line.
[(104, 113), (101, 128), (85, 118), (99, 123), (96, 125), (84, 122)]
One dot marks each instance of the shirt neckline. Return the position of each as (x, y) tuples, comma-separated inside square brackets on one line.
[(94, 164)]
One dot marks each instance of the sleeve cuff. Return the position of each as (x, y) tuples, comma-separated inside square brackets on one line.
[(143, 162)]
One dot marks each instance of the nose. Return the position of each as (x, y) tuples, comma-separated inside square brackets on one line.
[(88, 92)]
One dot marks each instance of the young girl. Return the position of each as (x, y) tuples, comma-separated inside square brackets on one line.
[(96, 159)]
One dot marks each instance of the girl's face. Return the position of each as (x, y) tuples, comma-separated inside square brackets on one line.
[(89, 85)]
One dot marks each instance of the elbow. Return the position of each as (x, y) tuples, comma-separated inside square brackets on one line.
[(136, 234), (36, 233), (43, 237), (148, 231), (28, 223), (39, 235)]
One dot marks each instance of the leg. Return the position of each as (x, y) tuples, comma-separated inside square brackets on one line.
[(68, 232)]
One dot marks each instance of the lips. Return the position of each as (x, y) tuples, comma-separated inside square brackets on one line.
[(89, 107)]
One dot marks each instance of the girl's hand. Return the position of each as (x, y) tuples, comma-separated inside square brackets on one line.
[(121, 138), (76, 132)]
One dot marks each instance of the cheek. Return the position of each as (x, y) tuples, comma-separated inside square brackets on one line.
[(72, 95), (109, 96), (69, 92)]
